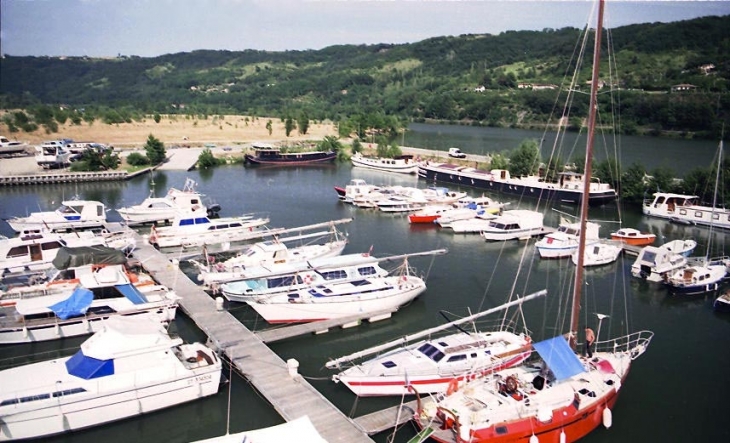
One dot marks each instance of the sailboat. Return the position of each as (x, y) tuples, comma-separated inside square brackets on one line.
[(702, 275), (561, 397)]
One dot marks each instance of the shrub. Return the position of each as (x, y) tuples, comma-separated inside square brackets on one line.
[(137, 159)]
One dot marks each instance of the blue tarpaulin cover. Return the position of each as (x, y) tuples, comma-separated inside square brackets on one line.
[(88, 367), (132, 293), (75, 305), (559, 357)]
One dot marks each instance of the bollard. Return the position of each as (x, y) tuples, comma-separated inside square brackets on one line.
[(219, 303), (293, 365)]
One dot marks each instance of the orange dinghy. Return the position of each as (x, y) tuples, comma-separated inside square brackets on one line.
[(633, 236)]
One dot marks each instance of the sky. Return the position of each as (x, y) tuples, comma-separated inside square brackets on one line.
[(148, 28)]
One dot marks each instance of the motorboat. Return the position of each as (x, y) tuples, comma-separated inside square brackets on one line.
[(35, 249), (129, 367), (564, 241), (356, 188), (702, 277), (633, 237), (722, 303), (466, 209), (516, 224), (53, 154), (271, 254), (185, 201), (10, 147), (195, 231), (655, 264), (78, 298), (472, 225), (72, 214), (265, 154), (403, 164), (685, 209), (600, 253), (373, 298), (429, 213), (263, 282), (683, 247)]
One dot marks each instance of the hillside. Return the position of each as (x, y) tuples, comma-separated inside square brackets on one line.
[(498, 80)]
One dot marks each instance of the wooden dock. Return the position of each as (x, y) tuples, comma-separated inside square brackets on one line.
[(385, 419), (291, 396)]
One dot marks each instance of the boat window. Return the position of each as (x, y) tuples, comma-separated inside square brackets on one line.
[(649, 256), (389, 364), (698, 214), (18, 251), (280, 281), (361, 283), (334, 275), (683, 212), (50, 245), (201, 220), (187, 222), (369, 270), (431, 352), (68, 392), (235, 225), (66, 210), (455, 358), (716, 216)]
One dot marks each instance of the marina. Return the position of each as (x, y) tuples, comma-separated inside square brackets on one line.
[(461, 281)]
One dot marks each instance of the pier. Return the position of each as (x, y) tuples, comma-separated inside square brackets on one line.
[(289, 393)]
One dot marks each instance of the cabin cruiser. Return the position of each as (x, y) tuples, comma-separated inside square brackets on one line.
[(655, 264), (516, 224), (9, 147), (191, 230), (404, 164), (686, 209), (53, 154), (90, 285), (270, 254), (35, 249), (164, 209), (73, 214), (564, 241), (129, 367)]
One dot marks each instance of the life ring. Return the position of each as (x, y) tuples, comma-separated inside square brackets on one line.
[(453, 386), (510, 385), (307, 279)]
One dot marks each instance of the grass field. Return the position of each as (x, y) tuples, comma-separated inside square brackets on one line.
[(180, 131)]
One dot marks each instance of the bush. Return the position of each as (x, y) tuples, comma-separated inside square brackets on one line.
[(206, 159), (137, 159)]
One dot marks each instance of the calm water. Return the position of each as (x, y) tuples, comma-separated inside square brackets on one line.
[(678, 155), (675, 393)]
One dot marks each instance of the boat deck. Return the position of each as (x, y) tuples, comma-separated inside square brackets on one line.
[(291, 397)]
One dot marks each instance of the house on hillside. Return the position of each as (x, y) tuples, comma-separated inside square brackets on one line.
[(684, 87)]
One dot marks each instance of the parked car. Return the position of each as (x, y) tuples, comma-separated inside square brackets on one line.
[(456, 153)]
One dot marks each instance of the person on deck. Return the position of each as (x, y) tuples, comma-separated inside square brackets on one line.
[(590, 338)]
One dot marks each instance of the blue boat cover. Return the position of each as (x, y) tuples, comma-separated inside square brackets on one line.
[(559, 357), (75, 305), (88, 367), (132, 293)]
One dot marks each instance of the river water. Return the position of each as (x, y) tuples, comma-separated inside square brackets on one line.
[(675, 393)]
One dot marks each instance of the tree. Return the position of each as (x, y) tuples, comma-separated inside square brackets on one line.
[(356, 146), (498, 161), (525, 160), (288, 126), (633, 185), (155, 150), (303, 123), (269, 127), (206, 159), (157, 117)]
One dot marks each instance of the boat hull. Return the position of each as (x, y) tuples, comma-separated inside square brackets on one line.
[(304, 158), (400, 166), (72, 413)]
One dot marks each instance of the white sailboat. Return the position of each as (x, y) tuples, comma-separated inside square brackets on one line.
[(437, 362), (562, 398)]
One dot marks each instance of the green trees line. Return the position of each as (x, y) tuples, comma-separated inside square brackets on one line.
[(495, 80)]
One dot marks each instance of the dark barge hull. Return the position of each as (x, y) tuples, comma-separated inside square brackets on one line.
[(481, 179)]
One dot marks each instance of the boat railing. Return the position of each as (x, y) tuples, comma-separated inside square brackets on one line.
[(633, 344)]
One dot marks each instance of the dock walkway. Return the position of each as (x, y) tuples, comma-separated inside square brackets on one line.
[(292, 397)]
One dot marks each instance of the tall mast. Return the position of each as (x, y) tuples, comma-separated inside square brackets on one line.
[(578, 283)]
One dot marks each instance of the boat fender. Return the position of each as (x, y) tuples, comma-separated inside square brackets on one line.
[(563, 438), (607, 418), (453, 386), (534, 439)]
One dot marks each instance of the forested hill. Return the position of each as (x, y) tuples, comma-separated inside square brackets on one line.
[(503, 79)]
